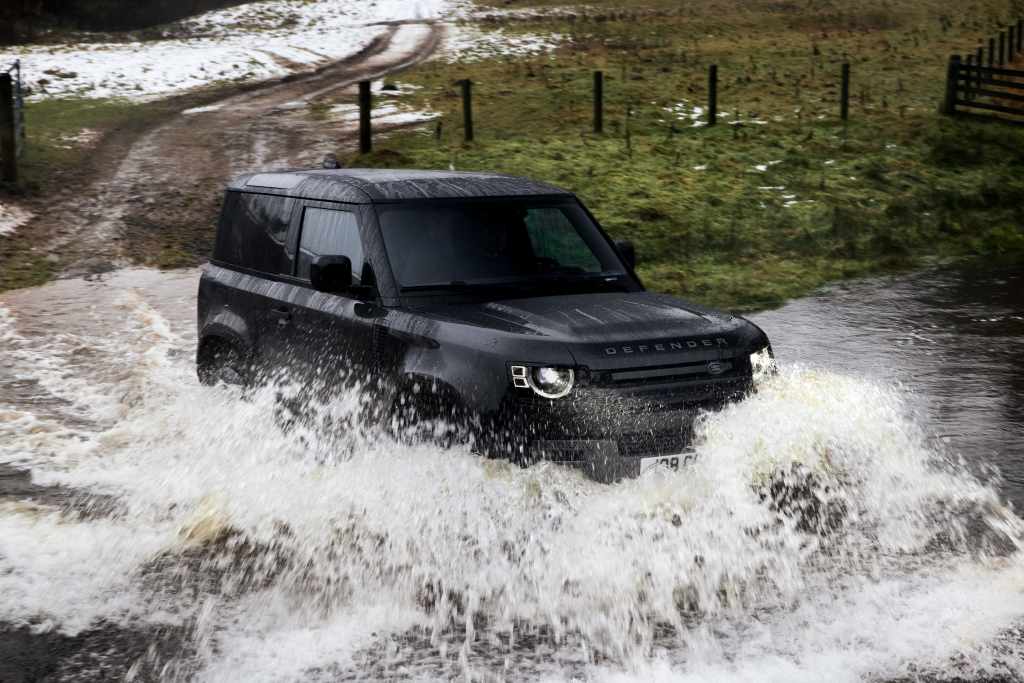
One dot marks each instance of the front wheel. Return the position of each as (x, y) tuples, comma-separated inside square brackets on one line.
[(221, 361), (430, 418)]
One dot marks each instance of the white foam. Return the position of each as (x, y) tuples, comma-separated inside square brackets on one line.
[(350, 531)]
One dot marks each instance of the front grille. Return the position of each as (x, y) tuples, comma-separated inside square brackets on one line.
[(687, 385), (713, 370), (643, 444)]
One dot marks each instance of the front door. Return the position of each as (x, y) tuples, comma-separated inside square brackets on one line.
[(333, 333)]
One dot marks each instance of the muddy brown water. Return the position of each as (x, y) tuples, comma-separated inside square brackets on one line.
[(154, 529)]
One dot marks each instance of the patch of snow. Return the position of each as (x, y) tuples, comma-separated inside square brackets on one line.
[(762, 168), (383, 114), (13, 217), (393, 89), (87, 137), (468, 43), (203, 110), (248, 42)]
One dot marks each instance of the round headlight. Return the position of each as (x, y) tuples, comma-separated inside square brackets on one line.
[(551, 382)]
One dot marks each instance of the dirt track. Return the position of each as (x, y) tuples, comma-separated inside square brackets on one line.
[(167, 180)]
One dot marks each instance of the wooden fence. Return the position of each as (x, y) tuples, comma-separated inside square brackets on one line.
[(12, 122), (989, 85), (711, 112)]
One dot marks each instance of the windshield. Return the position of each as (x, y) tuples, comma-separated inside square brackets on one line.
[(494, 243)]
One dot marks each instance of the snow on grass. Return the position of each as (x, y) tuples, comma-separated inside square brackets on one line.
[(250, 42), (384, 114), (696, 115), (12, 217), (468, 43)]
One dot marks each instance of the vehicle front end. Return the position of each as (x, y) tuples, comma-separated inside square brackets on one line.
[(625, 406)]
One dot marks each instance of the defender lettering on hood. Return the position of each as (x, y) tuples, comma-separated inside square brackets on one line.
[(667, 347), (491, 303)]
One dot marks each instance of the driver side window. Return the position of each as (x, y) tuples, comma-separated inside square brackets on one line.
[(556, 241), (329, 232)]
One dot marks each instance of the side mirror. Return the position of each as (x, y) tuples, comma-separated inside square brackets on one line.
[(331, 274), (627, 251)]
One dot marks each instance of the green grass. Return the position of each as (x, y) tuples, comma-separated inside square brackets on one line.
[(897, 187), (52, 152)]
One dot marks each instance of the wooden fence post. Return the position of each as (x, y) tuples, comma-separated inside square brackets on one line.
[(467, 109), (598, 102), (712, 94), (952, 74), (969, 73), (8, 132), (979, 62), (1002, 48), (844, 94), (991, 52), (365, 131)]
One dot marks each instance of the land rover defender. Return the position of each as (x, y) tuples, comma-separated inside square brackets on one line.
[(493, 302)]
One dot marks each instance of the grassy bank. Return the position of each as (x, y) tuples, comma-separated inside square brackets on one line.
[(747, 214)]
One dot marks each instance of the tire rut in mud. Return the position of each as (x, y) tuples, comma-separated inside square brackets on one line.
[(151, 194)]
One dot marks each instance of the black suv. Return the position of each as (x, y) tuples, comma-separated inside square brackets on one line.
[(494, 303)]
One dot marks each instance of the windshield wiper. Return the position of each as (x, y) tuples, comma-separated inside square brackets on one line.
[(523, 283), (458, 286)]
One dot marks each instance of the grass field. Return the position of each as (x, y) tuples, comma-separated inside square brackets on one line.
[(776, 200), (781, 196)]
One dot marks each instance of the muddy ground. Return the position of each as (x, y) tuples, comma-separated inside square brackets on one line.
[(150, 193)]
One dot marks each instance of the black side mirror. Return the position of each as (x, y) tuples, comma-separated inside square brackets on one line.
[(331, 274), (627, 251)]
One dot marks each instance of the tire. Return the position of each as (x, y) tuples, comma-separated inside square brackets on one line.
[(436, 419), (222, 362)]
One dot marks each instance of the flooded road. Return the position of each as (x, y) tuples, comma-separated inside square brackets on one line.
[(953, 339), (154, 529)]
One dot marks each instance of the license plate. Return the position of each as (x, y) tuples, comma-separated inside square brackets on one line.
[(672, 462)]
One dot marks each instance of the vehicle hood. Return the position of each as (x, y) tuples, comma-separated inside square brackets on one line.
[(610, 328)]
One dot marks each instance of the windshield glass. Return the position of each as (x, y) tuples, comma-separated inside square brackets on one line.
[(481, 243)]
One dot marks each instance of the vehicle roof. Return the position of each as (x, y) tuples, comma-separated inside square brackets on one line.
[(368, 186)]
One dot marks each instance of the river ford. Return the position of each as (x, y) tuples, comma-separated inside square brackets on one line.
[(154, 529)]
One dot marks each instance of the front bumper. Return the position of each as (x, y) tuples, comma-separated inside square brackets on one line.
[(608, 434)]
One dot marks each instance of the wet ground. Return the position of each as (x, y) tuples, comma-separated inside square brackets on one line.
[(154, 529), (954, 339)]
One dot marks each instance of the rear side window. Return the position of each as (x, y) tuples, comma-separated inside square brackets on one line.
[(253, 230), (329, 232)]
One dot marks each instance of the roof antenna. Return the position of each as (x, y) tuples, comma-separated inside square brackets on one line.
[(330, 162)]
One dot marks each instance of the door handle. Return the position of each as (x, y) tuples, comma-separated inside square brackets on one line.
[(282, 315)]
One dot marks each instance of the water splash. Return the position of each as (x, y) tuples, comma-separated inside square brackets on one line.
[(295, 552)]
